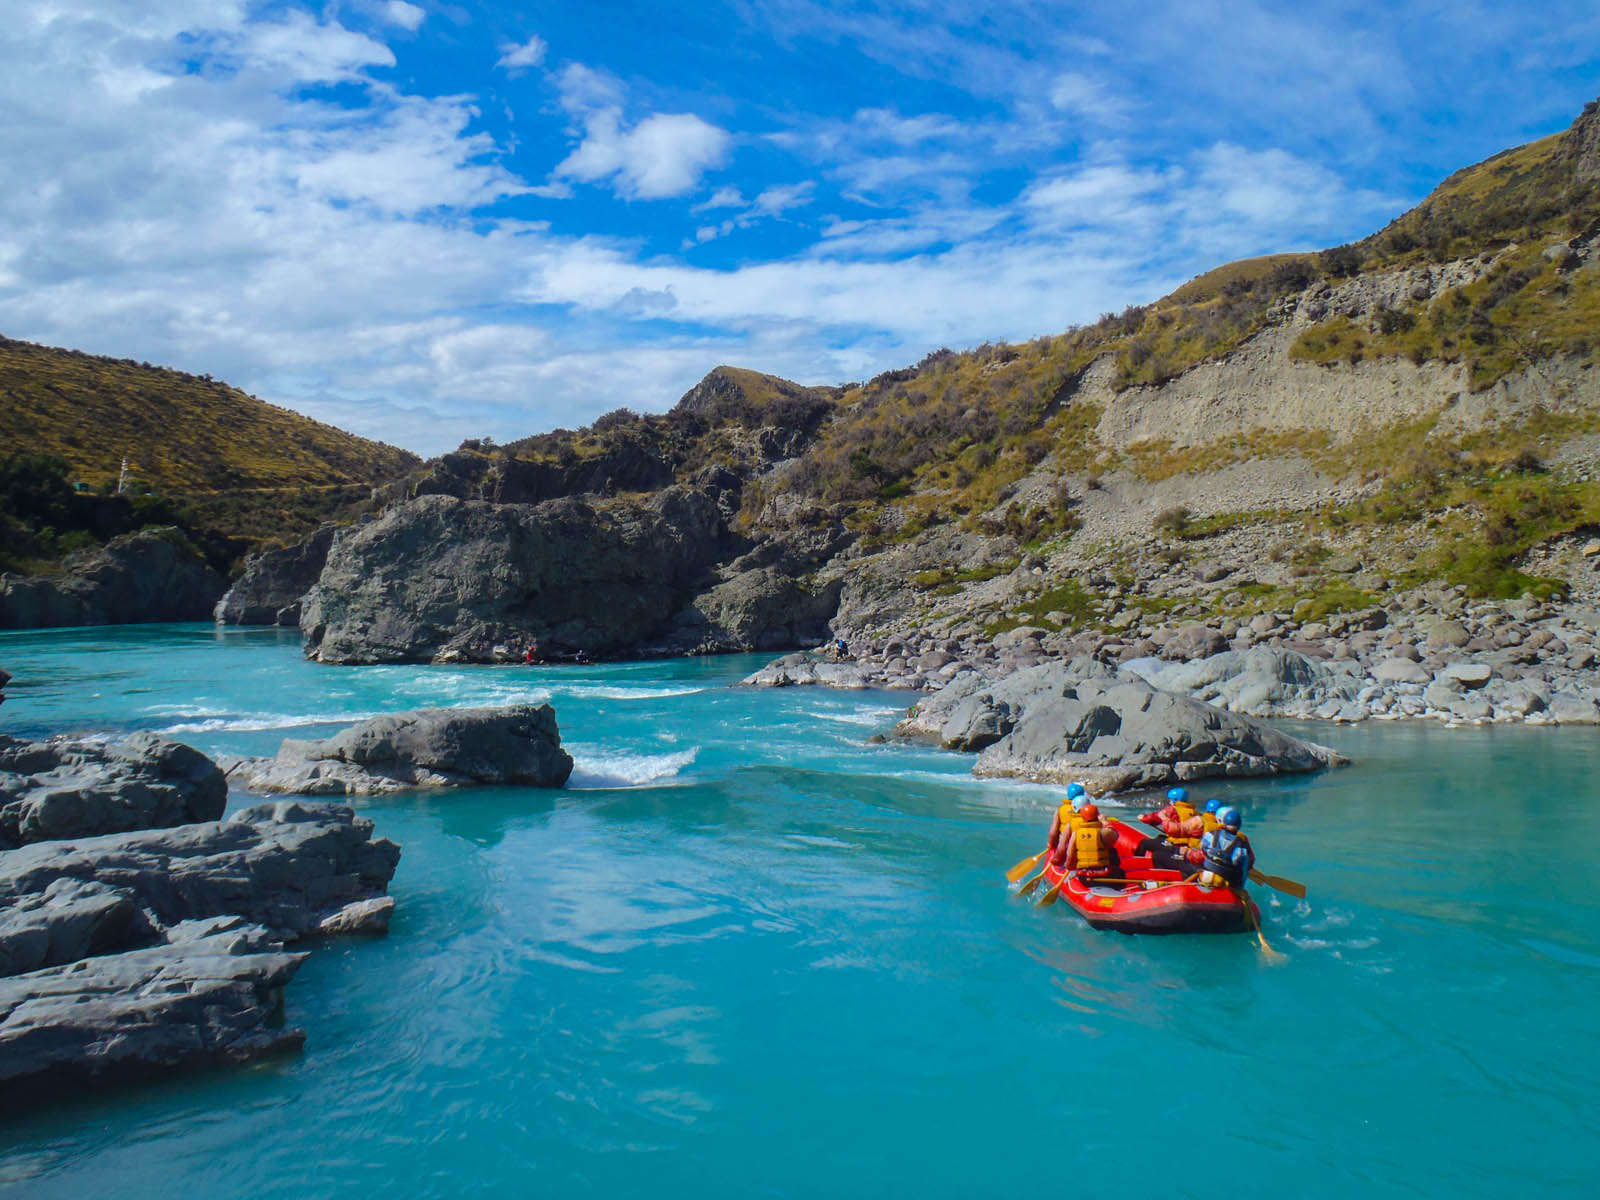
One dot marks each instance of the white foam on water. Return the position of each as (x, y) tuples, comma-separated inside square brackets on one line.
[(265, 721), (860, 716), (581, 691), (626, 770)]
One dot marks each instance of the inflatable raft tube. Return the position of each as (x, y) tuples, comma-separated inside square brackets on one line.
[(1156, 901)]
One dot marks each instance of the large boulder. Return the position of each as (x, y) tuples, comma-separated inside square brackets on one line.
[(435, 747), (274, 582), (444, 578), (206, 995), (1060, 722), (151, 575), (66, 789)]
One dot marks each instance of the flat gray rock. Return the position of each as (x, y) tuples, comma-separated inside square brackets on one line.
[(1401, 670), (1468, 675), (65, 789), (207, 995), (287, 865), (435, 747)]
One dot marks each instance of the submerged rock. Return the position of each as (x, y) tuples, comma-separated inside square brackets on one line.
[(66, 789), (207, 995), (435, 747)]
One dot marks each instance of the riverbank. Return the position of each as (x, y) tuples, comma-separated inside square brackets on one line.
[(1432, 655)]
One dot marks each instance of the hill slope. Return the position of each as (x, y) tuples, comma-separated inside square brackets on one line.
[(181, 433)]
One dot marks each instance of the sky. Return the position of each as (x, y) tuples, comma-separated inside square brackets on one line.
[(429, 220)]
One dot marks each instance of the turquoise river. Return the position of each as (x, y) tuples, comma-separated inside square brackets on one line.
[(749, 952)]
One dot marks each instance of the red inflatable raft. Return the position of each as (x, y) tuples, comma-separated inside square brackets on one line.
[(1154, 900)]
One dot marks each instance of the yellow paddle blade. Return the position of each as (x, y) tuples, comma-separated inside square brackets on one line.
[(1027, 888), (1050, 897), (1026, 865), (1287, 886), (1255, 923)]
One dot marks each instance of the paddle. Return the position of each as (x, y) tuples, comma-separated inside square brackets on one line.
[(1027, 888), (1287, 886), (1255, 923), (1054, 894), (1026, 865)]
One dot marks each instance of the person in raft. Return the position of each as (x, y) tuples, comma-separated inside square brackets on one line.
[(1091, 850), (1066, 816), (1224, 855), (1181, 829), (1209, 815)]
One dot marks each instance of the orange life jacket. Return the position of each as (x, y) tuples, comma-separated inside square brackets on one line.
[(1211, 821), (1090, 850)]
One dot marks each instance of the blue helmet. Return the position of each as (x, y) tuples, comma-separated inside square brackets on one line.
[(1178, 795), (1076, 791), (1213, 805), (1230, 818)]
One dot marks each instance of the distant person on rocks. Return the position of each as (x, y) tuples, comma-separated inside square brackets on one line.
[(1224, 855), (531, 655), (1066, 816), (581, 658), (1091, 851), (840, 650)]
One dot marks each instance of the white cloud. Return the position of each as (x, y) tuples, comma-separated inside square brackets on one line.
[(201, 203), (517, 58), (1078, 95), (663, 155), (723, 197), (407, 16)]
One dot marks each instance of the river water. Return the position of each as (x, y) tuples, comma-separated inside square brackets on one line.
[(749, 953)]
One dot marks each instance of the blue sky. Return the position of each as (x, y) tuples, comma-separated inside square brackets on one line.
[(425, 221)]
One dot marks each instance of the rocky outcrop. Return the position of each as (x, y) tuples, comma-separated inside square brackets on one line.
[(140, 952), (763, 609), (152, 575), (67, 789), (204, 996), (438, 747), (287, 865), (273, 583), (1064, 721), (445, 579)]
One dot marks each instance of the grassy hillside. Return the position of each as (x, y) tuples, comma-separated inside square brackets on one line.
[(181, 433), (230, 470)]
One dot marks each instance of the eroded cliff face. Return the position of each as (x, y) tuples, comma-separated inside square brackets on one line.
[(442, 577), (1262, 389)]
